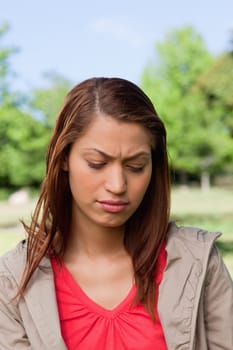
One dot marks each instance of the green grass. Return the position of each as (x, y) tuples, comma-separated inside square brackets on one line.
[(11, 230), (212, 210), (9, 239)]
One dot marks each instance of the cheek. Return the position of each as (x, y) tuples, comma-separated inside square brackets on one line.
[(82, 182), (78, 179)]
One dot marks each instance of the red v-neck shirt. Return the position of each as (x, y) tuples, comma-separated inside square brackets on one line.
[(85, 325)]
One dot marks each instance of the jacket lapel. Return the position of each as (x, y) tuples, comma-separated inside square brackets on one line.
[(40, 300)]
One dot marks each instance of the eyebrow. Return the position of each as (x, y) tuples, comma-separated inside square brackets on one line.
[(108, 156)]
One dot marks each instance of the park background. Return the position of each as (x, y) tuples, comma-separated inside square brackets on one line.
[(179, 52)]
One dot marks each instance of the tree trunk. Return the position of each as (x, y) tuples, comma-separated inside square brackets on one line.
[(205, 180)]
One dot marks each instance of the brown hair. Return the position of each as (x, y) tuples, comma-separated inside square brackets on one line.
[(147, 227)]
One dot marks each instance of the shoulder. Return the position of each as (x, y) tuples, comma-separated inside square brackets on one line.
[(191, 245), (194, 235), (195, 239), (13, 262), (15, 256), (12, 265), (217, 270)]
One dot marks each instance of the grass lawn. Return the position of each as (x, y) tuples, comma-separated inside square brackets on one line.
[(212, 210)]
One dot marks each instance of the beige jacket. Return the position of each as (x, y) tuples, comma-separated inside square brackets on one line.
[(195, 298)]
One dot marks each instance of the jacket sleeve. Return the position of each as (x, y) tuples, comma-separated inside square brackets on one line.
[(218, 304), (12, 333)]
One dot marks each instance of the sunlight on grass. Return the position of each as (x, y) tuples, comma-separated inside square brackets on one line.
[(212, 210), (9, 239), (194, 201)]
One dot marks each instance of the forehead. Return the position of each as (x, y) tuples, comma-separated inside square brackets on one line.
[(114, 136)]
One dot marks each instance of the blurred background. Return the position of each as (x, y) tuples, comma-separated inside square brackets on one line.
[(180, 53)]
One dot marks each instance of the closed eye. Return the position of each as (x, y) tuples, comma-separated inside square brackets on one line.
[(96, 165), (136, 169), (132, 168)]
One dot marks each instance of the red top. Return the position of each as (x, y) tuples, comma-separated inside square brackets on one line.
[(87, 325)]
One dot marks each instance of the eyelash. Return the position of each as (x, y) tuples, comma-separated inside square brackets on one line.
[(98, 166), (136, 169)]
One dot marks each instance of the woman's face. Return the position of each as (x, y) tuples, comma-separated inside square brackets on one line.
[(109, 171)]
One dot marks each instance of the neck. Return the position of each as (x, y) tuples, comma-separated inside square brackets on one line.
[(93, 240)]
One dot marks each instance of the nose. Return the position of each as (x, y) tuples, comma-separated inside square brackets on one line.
[(116, 181)]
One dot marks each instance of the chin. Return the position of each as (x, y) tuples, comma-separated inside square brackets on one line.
[(113, 224)]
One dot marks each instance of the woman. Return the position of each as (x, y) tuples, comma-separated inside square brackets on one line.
[(102, 267)]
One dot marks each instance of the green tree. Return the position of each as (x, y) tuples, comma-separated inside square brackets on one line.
[(46, 102), (25, 128), (20, 144), (44, 105), (217, 86), (6, 96), (21, 136), (170, 81)]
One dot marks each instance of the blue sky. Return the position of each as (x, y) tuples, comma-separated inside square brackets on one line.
[(80, 39)]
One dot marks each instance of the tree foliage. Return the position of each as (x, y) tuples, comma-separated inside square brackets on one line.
[(20, 145), (216, 84), (46, 102), (196, 133), (24, 135), (5, 68)]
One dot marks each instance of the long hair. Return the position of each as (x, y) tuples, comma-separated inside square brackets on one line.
[(146, 229)]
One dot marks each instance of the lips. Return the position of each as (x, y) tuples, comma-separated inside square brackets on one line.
[(112, 206), (112, 202)]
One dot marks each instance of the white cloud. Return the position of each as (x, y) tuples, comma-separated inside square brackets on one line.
[(119, 29)]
